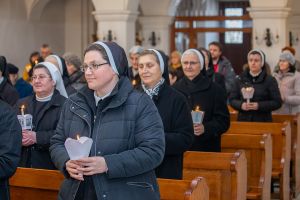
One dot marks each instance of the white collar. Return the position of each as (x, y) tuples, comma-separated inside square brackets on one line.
[(44, 99), (97, 98)]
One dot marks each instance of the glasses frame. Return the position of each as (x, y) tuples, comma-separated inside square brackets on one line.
[(92, 66)]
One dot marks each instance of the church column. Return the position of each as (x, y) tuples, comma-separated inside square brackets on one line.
[(116, 21), (156, 32), (273, 19)]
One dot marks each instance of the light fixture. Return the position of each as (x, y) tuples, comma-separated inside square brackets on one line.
[(293, 40), (109, 37), (153, 39), (268, 37)]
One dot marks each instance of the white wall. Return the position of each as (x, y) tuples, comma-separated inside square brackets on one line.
[(79, 25), (19, 37)]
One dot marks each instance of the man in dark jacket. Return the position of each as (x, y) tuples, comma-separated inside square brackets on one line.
[(127, 133), (222, 65), (10, 147), (7, 92)]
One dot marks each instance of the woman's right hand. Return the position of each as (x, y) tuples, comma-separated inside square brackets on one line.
[(72, 168)]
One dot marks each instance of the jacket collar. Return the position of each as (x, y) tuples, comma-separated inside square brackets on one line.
[(199, 83), (118, 95)]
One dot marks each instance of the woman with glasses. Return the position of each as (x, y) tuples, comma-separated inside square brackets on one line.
[(44, 106), (206, 96), (173, 109), (127, 132), (255, 94)]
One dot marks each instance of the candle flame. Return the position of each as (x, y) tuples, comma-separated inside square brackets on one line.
[(36, 62), (77, 136), (197, 108), (133, 82), (23, 107)]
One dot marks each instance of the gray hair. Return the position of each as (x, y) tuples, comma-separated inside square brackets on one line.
[(73, 59), (136, 50)]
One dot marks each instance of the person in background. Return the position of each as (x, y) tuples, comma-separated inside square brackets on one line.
[(10, 147), (266, 97), (173, 77), (24, 89), (127, 133), (7, 91), (201, 92), (45, 51), (60, 63), (292, 51), (133, 73), (222, 65), (44, 106), (173, 109), (214, 76), (175, 63), (34, 59), (288, 80), (76, 76)]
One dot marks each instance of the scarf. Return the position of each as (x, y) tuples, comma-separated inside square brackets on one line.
[(153, 91)]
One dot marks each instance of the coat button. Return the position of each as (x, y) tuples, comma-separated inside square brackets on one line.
[(99, 152), (104, 196)]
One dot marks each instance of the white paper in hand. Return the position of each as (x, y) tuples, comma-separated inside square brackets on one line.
[(78, 148)]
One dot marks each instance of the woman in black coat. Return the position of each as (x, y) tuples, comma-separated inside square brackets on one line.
[(266, 96), (10, 147), (202, 92), (7, 92), (173, 109), (44, 106)]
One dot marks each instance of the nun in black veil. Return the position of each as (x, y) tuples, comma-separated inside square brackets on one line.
[(206, 95), (173, 109)]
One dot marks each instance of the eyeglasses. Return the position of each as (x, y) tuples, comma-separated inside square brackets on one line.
[(92, 66), (39, 77), (192, 63)]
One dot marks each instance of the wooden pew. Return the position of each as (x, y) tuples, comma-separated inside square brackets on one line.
[(196, 189), (225, 173), (295, 148), (31, 184), (36, 184), (281, 136), (258, 149)]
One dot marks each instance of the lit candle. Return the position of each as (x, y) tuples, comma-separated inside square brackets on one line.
[(22, 110), (133, 82), (36, 62), (197, 115), (79, 147)]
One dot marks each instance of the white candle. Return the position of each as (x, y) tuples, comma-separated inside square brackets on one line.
[(22, 110)]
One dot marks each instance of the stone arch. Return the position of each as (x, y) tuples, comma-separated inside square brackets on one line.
[(34, 8)]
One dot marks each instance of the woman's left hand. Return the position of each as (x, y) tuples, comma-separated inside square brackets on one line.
[(92, 165)]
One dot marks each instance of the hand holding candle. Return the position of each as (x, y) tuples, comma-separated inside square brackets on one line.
[(133, 82)]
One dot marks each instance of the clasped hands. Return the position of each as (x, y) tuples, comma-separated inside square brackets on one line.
[(250, 106), (86, 167)]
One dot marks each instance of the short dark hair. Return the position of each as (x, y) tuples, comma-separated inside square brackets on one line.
[(12, 69), (218, 44), (99, 48)]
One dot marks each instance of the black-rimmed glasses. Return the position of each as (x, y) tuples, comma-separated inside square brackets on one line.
[(92, 66)]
